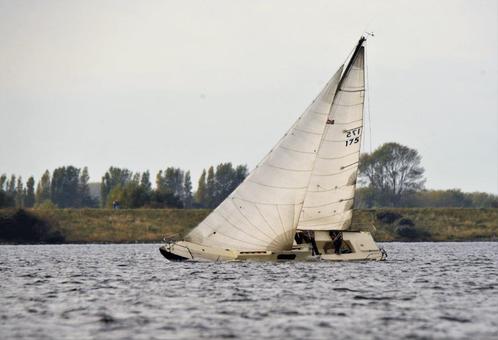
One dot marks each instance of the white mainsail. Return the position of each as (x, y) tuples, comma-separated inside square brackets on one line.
[(263, 211), (329, 200)]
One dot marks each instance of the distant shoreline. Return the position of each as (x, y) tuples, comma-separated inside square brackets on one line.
[(106, 226)]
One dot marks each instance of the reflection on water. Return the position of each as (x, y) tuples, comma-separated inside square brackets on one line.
[(424, 290)]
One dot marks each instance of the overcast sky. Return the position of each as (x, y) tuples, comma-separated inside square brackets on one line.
[(151, 84)]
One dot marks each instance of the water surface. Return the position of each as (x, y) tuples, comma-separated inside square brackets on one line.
[(424, 290)]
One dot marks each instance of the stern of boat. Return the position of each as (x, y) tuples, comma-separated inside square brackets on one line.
[(355, 246)]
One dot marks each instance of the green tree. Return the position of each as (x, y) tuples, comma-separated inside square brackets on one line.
[(29, 200), (114, 177), (6, 200), (392, 171), (130, 196), (3, 180), (65, 188), (187, 189), (173, 180), (484, 200), (145, 182), (210, 189), (20, 193), (8, 191), (85, 198), (11, 186), (160, 185), (200, 194), (226, 179), (131, 190), (223, 183), (43, 189)]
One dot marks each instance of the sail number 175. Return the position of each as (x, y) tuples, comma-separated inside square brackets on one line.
[(353, 136)]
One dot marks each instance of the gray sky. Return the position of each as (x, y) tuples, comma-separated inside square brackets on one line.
[(151, 84)]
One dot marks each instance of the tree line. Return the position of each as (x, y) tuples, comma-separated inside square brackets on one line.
[(69, 187), (391, 176), (173, 187)]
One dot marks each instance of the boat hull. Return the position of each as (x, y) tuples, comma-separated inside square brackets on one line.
[(360, 244)]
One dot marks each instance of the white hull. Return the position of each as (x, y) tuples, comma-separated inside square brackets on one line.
[(360, 246)]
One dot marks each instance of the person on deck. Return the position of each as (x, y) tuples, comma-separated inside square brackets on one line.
[(337, 241)]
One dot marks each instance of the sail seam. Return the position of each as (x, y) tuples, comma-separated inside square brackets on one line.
[(236, 239), (264, 219), (348, 105), (355, 128), (282, 224), (334, 140), (347, 123), (217, 231), (247, 219), (293, 150), (349, 87), (333, 189), (334, 223), (286, 169), (327, 216), (308, 132), (342, 90), (277, 187), (233, 225), (333, 158), (329, 203), (319, 113), (265, 203), (333, 174)]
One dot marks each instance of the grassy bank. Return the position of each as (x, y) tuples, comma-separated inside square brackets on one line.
[(151, 225)]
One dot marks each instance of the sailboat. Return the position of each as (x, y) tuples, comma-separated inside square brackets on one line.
[(297, 204)]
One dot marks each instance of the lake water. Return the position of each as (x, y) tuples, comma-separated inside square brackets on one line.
[(424, 290)]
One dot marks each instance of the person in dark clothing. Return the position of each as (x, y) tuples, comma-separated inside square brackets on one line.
[(336, 241)]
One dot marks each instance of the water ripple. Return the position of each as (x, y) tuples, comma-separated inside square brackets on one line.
[(425, 290)]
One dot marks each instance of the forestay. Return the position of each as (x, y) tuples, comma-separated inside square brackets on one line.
[(330, 196), (263, 212)]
